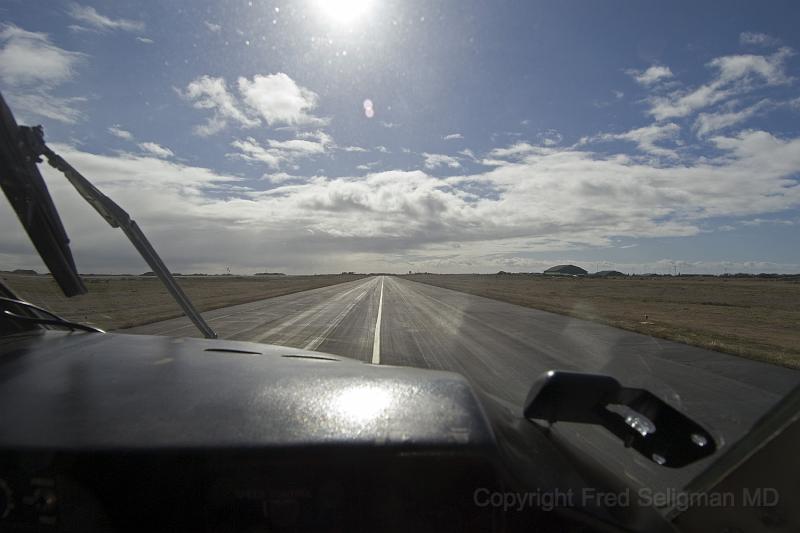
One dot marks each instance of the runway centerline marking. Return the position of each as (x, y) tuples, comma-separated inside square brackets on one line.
[(376, 344)]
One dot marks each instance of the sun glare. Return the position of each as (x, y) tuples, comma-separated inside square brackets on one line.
[(343, 12)]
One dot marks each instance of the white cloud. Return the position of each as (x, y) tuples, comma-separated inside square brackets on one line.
[(708, 123), (453, 136), (42, 103), (540, 199), (275, 98), (156, 150), (646, 138), (31, 68), (207, 92), (281, 177), (117, 131), (28, 58), (518, 150), (89, 16), (304, 146), (279, 100), (776, 221), (440, 160), (353, 149), (755, 38), (212, 27), (382, 149), (277, 152), (769, 68), (145, 40), (650, 76), (737, 74), (468, 153), (251, 150)]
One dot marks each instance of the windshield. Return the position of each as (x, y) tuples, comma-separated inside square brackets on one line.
[(497, 189)]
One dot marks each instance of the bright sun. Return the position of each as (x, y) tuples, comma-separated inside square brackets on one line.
[(343, 12)]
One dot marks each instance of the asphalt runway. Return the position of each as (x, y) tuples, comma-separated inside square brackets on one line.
[(502, 348)]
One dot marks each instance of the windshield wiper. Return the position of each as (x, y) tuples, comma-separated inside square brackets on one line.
[(21, 147), (116, 218), (27, 193), (54, 319)]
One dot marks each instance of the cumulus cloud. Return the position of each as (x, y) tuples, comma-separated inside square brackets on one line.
[(32, 68), (453, 136), (274, 98), (277, 152), (251, 150), (145, 40), (307, 144), (440, 160), (279, 100), (207, 92), (650, 76), (117, 131), (735, 75), (537, 199), (89, 16), (156, 149)]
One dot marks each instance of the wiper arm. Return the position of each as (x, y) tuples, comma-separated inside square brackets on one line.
[(55, 320), (116, 218)]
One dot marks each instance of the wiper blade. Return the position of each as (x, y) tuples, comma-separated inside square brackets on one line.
[(116, 218), (55, 320)]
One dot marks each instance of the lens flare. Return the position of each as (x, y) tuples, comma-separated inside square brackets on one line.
[(369, 111)]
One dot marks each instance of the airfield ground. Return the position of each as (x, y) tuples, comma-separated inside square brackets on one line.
[(753, 318), (749, 317), (115, 302)]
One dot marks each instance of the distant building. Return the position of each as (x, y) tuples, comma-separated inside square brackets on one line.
[(565, 270), (25, 272), (608, 274)]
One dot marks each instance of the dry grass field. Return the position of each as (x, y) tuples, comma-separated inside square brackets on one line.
[(115, 302), (755, 318)]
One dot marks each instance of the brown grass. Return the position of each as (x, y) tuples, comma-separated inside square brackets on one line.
[(754, 318), (115, 302)]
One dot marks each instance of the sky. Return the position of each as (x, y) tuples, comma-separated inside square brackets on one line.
[(323, 136)]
